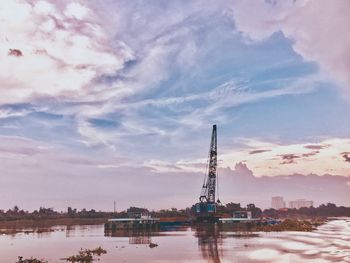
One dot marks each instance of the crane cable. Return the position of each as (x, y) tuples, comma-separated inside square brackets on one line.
[(217, 186), (205, 175)]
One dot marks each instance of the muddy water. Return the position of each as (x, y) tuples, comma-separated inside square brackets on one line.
[(329, 243)]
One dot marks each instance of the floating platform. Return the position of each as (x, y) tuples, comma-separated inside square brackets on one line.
[(132, 223), (238, 220)]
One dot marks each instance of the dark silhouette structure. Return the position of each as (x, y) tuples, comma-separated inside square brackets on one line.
[(206, 208)]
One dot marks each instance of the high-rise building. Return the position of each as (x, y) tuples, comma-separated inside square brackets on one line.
[(277, 202), (299, 203)]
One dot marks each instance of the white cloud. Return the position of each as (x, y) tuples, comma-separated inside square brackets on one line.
[(318, 29), (59, 55), (6, 113), (76, 10)]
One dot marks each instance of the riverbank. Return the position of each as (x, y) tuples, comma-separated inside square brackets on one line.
[(292, 225), (44, 225)]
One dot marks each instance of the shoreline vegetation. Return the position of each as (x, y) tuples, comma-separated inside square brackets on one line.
[(324, 210), (73, 215), (17, 220), (292, 225)]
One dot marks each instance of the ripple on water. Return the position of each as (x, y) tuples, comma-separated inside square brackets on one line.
[(267, 240), (312, 252), (264, 254), (338, 254), (346, 259), (309, 240), (329, 249), (341, 243), (293, 245)]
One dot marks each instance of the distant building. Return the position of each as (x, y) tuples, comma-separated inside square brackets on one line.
[(277, 202), (242, 214), (299, 203)]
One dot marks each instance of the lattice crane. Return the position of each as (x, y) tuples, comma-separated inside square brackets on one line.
[(206, 208)]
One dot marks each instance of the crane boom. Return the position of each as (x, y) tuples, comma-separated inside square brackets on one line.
[(206, 208), (208, 189)]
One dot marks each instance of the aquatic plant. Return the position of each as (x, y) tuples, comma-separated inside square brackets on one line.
[(30, 260), (83, 256), (86, 255), (152, 245)]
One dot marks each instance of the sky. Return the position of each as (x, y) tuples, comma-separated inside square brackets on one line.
[(115, 100)]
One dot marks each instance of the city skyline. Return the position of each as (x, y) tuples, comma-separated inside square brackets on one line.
[(278, 202), (115, 100)]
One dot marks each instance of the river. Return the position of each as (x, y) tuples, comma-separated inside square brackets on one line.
[(329, 243)]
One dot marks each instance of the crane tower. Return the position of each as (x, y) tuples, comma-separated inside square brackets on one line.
[(206, 208)]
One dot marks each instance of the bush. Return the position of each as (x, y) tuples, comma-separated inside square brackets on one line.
[(30, 260)]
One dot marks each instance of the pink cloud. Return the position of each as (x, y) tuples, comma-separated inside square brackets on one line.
[(318, 29), (50, 49), (316, 146), (258, 151), (242, 186), (326, 156), (289, 158), (346, 156), (15, 52), (54, 172)]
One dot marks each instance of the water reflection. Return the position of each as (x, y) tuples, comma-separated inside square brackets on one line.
[(209, 242), (136, 237), (200, 243), (209, 237)]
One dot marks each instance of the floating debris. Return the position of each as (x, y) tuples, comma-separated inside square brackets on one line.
[(152, 245)]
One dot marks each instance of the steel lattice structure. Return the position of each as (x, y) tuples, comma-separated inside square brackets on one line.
[(208, 189)]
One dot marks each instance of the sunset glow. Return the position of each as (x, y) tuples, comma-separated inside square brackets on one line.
[(103, 100)]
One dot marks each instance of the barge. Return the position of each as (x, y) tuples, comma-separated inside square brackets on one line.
[(142, 223)]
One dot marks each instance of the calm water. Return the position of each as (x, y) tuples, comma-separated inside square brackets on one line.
[(329, 243)]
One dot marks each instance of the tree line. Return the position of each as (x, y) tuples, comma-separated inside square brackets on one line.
[(324, 210)]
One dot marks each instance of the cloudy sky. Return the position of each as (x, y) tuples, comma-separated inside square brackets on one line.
[(115, 99)]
